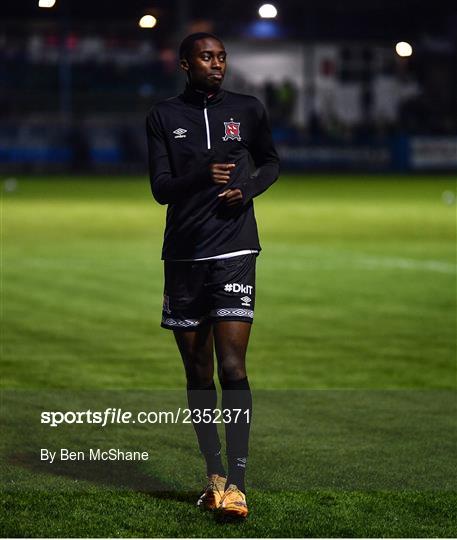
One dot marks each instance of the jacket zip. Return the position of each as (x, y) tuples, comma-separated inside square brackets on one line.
[(205, 114)]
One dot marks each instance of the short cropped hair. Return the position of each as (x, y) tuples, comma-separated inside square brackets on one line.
[(187, 44)]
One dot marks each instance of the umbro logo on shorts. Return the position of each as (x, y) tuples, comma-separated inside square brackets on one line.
[(246, 301), (180, 133), (238, 287)]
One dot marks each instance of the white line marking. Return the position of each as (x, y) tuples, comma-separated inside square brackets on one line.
[(408, 264)]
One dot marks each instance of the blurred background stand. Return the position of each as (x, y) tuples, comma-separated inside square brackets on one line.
[(358, 88)]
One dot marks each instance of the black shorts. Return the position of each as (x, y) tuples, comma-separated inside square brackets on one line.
[(200, 291)]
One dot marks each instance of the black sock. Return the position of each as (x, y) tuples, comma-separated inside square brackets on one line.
[(214, 464), (237, 472), (237, 395), (199, 399)]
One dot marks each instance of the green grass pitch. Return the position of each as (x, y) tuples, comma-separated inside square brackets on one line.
[(352, 359)]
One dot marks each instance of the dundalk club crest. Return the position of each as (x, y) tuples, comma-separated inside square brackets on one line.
[(232, 131)]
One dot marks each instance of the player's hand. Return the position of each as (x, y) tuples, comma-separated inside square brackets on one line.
[(220, 172), (231, 197)]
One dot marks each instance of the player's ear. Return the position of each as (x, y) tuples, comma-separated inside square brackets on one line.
[(184, 64)]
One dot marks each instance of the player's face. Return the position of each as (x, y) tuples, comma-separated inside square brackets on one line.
[(206, 65)]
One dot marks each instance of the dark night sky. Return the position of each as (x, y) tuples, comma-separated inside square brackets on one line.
[(322, 19)]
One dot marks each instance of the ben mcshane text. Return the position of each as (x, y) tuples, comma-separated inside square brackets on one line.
[(93, 454)]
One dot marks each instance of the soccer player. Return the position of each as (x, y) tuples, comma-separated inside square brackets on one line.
[(210, 154)]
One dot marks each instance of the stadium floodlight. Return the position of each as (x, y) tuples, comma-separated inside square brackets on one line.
[(268, 11), (147, 21), (403, 49), (46, 3)]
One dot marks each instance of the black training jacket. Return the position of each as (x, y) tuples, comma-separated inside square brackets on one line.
[(185, 134)]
